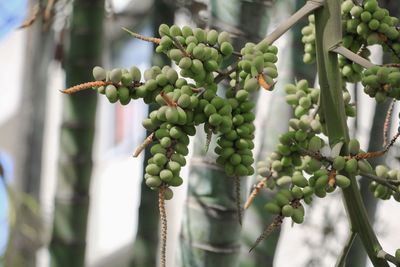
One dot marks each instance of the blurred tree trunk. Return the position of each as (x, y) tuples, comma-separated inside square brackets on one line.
[(147, 236), (68, 242), (210, 230), (27, 128)]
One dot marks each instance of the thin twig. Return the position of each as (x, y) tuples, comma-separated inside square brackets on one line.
[(226, 73), (164, 226), (268, 230), (368, 155), (141, 147), (141, 37), (381, 181), (32, 18), (386, 125)]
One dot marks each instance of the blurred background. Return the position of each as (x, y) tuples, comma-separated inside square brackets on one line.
[(71, 192)]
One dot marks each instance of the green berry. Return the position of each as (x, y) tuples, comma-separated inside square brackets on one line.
[(99, 74)]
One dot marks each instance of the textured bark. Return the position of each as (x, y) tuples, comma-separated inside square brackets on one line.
[(68, 242), (146, 242), (211, 231)]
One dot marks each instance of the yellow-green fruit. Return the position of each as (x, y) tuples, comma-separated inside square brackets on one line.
[(166, 175), (342, 181), (173, 166), (223, 37), (99, 74), (171, 115), (175, 30), (273, 208), (354, 147), (382, 171), (251, 85), (212, 37), (186, 31), (185, 63), (281, 199), (258, 63), (116, 75), (175, 54), (364, 166), (126, 79), (297, 192), (160, 159), (321, 182), (184, 101), (168, 193), (215, 119), (111, 93), (287, 210)]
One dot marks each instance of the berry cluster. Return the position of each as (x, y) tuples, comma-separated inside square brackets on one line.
[(382, 82)]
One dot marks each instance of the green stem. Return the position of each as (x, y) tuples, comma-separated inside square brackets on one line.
[(347, 246), (309, 7), (328, 34), (68, 242)]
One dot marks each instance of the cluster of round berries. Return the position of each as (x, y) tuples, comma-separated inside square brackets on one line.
[(382, 82)]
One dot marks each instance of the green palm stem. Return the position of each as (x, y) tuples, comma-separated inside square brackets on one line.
[(148, 217), (68, 242), (357, 255), (210, 234), (328, 35)]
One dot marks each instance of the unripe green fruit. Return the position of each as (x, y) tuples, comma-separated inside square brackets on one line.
[(175, 54), (366, 16), (394, 78), (198, 52), (258, 63), (242, 95), (157, 149), (168, 194), (174, 167), (287, 210), (356, 11), (223, 37), (115, 75), (212, 37), (364, 166), (241, 170), (338, 163), (351, 166), (272, 208), (297, 192), (200, 35), (371, 5), (383, 75), (160, 159), (153, 181), (99, 74), (186, 31), (184, 101), (126, 79), (298, 215), (215, 119), (235, 159), (166, 175), (299, 181), (175, 132), (382, 171), (123, 94), (281, 199), (342, 181), (111, 93), (171, 115), (165, 142), (354, 147), (315, 144), (347, 6), (284, 180), (251, 85), (153, 169), (321, 182), (226, 48), (175, 181)]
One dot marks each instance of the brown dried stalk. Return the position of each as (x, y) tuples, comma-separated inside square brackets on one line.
[(260, 185), (386, 125), (84, 86), (168, 100), (141, 147), (141, 37)]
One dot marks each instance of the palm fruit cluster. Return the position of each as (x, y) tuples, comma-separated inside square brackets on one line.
[(196, 51), (381, 191), (120, 84), (300, 166), (372, 23), (308, 40), (381, 82), (235, 145), (182, 104)]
